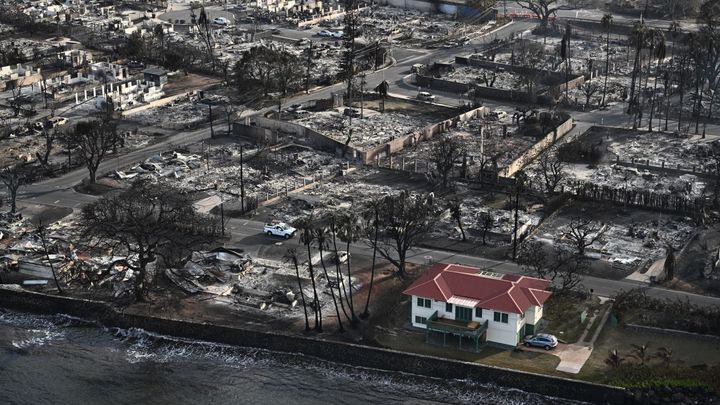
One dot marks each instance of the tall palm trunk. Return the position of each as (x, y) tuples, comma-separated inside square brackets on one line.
[(652, 99), (350, 295), (366, 313), (607, 64), (302, 294), (318, 312), (681, 87), (332, 290), (338, 274)]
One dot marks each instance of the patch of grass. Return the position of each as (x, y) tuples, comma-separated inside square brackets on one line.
[(414, 342), (693, 361), (563, 315)]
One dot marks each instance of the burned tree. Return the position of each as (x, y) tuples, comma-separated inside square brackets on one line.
[(202, 25), (48, 135), (562, 267), (12, 178), (583, 232), (94, 139), (404, 220), (486, 222), (531, 58), (444, 153), (455, 208), (589, 89), (552, 170), (142, 221), (543, 10)]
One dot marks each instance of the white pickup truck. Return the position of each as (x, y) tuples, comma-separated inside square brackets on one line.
[(279, 229)]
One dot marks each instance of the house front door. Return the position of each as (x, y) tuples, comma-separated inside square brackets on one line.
[(463, 314)]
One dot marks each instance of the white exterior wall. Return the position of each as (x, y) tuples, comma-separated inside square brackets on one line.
[(498, 332), (504, 333), (438, 306), (533, 315)]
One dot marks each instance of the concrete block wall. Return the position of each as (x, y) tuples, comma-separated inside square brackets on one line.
[(538, 148)]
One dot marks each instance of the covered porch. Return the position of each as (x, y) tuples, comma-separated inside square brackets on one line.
[(469, 329)]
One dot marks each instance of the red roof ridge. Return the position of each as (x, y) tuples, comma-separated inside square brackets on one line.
[(490, 291)]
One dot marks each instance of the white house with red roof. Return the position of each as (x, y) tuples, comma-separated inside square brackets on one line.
[(470, 302)]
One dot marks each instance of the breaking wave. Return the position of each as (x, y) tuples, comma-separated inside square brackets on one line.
[(148, 346), (140, 346)]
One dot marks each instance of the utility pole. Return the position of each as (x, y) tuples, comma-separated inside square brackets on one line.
[(309, 64), (362, 94), (222, 216), (242, 182)]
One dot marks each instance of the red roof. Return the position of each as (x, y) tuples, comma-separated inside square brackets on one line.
[(502, 292)]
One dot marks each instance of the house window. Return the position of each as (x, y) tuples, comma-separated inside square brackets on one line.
[(421, 319), (422, 302), (448, 307), (478, 312), (500, 317)]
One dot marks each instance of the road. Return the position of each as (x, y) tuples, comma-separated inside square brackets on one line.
[(248, 234)]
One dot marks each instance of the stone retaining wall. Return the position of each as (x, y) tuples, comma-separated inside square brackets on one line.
[(357, 355)]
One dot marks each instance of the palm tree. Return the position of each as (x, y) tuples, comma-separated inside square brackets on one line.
[(291, 255), (321, 237), (637, 38), (665, 355), (691, 41), (159, 33), (374, 226), (658, 52), (565, 55), (614, 359), (307, 237), (641, 353), (349, 232), (334, 220), (606, 23)]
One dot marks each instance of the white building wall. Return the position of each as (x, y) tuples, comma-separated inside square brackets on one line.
[(533, 315), (504, 333), (498, 332)]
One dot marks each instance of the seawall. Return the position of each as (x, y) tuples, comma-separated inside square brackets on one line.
[(357, 355)]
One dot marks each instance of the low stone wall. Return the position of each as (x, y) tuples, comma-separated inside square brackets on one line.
[(538, 148), (315, 138), (357, 355), (158, 103), (672, 332), (397, 145), (255, 133)]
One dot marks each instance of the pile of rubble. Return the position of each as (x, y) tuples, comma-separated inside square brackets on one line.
[(498, 145), (217, 167), (372, 130), (502, 226)]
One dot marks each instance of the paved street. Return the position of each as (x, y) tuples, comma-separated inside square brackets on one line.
[(248, 234)]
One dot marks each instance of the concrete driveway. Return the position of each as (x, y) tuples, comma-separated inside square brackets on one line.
[(572, 356)]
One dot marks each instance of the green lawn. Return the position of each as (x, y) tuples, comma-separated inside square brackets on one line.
[(414, 342), (690, 357), (563, 316)]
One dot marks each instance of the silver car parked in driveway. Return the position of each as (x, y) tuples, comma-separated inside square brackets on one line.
[(543, 340)]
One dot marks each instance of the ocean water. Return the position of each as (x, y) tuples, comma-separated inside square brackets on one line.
[(64, 360)]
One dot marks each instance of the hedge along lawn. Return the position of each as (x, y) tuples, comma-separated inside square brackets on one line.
[(692, 359)]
